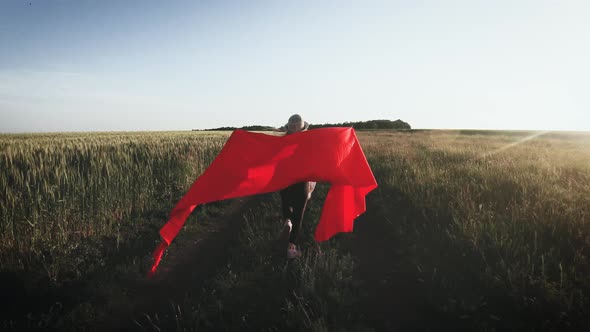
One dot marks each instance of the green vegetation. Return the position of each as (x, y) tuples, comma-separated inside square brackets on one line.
[(371, 124), (497, 223), (250, 128), (467, 230), (81, 185)]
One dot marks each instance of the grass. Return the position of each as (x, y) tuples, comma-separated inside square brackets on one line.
[(504, 224), (476, 230), (84, 185)]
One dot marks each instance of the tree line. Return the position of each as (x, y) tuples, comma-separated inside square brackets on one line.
[(371, 124)]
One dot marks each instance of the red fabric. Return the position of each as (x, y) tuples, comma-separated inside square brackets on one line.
[(253, 163)]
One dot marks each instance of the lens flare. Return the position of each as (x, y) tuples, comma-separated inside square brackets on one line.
[(513, 144)]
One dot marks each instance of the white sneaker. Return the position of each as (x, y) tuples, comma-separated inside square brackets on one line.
[(289, 225), (292, 251)]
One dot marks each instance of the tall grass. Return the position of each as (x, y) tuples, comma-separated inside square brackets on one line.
[(60, 187), (492, 225), (507, 213)]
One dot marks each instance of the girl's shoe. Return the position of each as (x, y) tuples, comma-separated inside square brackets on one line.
[(288, 225), (292, 251), (285, 231)]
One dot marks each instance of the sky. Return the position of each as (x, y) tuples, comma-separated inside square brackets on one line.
[(100, 65)]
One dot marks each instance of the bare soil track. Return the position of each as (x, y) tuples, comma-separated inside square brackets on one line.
[(388, 300), (190, 265)]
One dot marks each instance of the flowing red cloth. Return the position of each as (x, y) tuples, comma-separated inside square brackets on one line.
[(254, 163)]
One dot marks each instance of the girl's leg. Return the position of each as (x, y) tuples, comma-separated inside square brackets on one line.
[(298, 202), (286, 206)]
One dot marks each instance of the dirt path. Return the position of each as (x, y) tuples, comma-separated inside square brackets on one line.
[(191, 263), (388, 297)]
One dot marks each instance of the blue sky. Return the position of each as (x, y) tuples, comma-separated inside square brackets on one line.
[(90, 65)]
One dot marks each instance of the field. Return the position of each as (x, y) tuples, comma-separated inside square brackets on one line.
[(468, 230)]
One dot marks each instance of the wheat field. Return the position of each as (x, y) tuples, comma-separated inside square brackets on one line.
[(493, 225)]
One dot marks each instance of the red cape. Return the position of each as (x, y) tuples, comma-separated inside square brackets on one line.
[(253, 163)]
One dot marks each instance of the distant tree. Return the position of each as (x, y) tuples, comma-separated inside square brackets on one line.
[(257, 128), (399, 124)]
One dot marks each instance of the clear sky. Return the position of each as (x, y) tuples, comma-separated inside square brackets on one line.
[(86, 65)]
